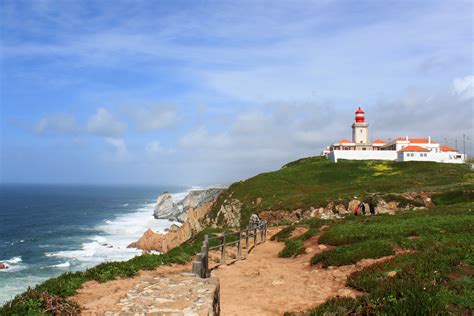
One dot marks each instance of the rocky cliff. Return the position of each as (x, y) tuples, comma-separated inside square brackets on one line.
[(230, 210), (177, 211), (196, 205)]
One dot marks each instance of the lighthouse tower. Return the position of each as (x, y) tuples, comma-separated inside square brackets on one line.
[(360, 129)]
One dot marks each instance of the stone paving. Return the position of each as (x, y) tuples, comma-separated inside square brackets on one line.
[(176, 295)]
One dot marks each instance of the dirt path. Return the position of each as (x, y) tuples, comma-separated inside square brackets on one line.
[(262, 284), (265, 284), (95, 298)]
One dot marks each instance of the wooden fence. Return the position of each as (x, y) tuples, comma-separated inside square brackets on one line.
[(253, 230)]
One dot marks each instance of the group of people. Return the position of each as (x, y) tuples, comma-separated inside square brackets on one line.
[(361, 209)]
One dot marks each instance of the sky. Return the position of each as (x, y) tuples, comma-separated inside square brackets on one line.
[(212, 92)]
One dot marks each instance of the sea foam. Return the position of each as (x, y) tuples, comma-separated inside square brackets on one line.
[(61, 265), (13, 264), (115, 235)]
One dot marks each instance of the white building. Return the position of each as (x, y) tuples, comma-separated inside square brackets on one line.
[(399, 149)]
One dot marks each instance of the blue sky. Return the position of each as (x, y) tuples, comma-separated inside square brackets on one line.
[(197, 92)]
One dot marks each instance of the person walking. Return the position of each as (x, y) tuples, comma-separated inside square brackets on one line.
[(372, 207), (362, 208)]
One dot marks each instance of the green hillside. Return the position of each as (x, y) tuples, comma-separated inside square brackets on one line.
[(315, 181)]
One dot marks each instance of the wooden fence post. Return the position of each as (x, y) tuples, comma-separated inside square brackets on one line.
[(254, 235), (206, 257), (204, 268), (197, 265), (265, 231), (247, 239), (223, 250), (239, 247)]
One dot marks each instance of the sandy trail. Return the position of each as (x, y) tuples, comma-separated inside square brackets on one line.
[(265, 284), (96, 298), (262, 284)]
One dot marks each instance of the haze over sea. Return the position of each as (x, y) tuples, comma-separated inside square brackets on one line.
[(46, 230)]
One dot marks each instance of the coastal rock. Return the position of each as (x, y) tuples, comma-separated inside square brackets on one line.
[(230, 213), (195, 199), (419, 198), (383, 207), (176, 235), (165, 207), (3, 266), (341, 209), (177, 211), (198, 197)]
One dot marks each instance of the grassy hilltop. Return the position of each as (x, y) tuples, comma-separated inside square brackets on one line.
[(433, 275), (312, 182), (437, 278)]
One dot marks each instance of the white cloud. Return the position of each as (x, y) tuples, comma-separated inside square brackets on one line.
[(148, 118), (121, 151), (154, 147), (103, 123), (56, 123), (200, 138), (251, 122), (464, 87)]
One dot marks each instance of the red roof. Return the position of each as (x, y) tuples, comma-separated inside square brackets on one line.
[(416, 140), (344, 141), (360, 111), (447, 148), (379, 141), (414, 148)]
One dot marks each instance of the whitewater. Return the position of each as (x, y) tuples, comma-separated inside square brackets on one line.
[(72, 232)]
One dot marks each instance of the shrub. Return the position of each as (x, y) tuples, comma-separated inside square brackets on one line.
[(350, 254), (283, 234), (292, 248)]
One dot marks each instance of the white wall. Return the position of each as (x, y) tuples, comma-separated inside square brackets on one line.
[(362, 155), (445, 157)]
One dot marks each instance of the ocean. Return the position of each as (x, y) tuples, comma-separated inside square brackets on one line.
[(46, 230)]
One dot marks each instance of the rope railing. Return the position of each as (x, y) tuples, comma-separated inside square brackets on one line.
[(254, 230)]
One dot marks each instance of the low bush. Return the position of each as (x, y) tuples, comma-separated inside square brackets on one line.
[(436, 279), (350, 254), (292, 248), (283, 234)]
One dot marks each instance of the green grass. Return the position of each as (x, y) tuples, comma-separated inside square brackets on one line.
[(312, 182), (283, 234), (292, 248), (436, 279), (32, 302), (353, 253), (295, 245)]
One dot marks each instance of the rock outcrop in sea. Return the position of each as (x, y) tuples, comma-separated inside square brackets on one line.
[(166, 208), (191, 211)]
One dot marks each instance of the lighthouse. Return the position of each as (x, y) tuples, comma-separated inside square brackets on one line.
[(360, 129), (397, 149)]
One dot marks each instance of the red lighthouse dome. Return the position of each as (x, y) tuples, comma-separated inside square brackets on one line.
[(360, 118)]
